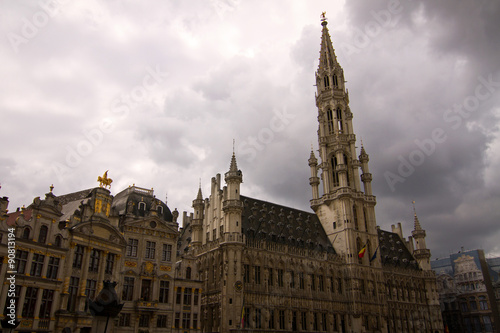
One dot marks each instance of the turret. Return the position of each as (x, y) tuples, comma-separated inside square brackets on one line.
[(366, 176), (197, 223), (421, 253), (232, 206), (314, 179)]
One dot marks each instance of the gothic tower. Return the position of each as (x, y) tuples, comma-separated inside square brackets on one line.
[(346, 211), (421, 252)]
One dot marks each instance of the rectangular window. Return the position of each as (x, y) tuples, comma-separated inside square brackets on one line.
[(53, 268), (483, 303), (208, 237), (150, 250), (292, 279), (90, 288), (29, 302), (186, 319), (164, 290), (132, 247), (128, 288), (246, 273), (110, 262), (78, 259), (161, 321), (321, 283), (246, 318), (271, 319), (166, 255), (22, 260), (95, 257), (339, 285), (323, 322), (178, 296), (280, 278), (187, 296), (214, 234), (177, 320), (303, 320), (124, 320), (196, 295), (146, 290), (257, 274), (313, 282), (281, 316), (195, 320), (258, 318), (46, 305), (487, 324), (37, 264), (270, 281), (72, 293), (301, 280), (315, 322), (144, 320)]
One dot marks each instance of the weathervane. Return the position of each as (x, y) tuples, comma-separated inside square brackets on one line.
[(323, 16)]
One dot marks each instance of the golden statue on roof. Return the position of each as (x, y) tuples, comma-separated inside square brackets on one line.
[(104, 181)]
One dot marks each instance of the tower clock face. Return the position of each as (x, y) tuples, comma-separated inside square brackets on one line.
[(238, 285)]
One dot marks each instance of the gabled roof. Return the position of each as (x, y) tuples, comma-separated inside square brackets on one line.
[(75, 196), (393, 251), (271, 222)]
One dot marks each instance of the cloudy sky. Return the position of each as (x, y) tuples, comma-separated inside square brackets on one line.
[(156, 92)]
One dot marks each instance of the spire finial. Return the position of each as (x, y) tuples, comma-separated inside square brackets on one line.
[(417, 225), (233, 146), (414, 210), (323, 17), (51, 188)]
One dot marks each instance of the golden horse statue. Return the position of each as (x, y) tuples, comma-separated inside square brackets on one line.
[(104, 181)]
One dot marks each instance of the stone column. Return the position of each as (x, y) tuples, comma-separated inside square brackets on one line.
[(83, 279), (102, 267)]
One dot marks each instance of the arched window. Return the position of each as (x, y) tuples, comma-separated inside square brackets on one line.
[(159, 209), (42, 236), (326, 79), (347, 174), (26, 233), (329, 116), (141, 207), (188, 273), (366, 220), (58, 241), (335, 174), (355, 217), (339, 120), (335, 81)]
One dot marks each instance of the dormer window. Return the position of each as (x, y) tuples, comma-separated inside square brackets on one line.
[(26, 233), (141, 208), (159, 209)]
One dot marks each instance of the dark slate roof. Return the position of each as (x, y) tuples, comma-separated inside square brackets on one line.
[(275, 223), (393, 251), (136, 195), (66, 198)]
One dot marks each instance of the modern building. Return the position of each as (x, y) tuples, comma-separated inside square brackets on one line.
[(238, 263), (468, 292)]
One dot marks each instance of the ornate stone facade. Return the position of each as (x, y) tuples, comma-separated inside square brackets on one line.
[(267, 267)]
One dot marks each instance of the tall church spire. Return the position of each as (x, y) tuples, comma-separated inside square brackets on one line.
[(346, 212)]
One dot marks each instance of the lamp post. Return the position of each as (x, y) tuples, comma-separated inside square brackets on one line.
[(106, 304)]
